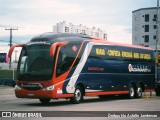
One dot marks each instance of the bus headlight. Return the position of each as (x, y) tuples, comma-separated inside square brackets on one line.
[(49, 88), (17, 87)]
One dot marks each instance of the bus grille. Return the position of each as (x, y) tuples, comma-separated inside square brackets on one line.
[(32, 86)]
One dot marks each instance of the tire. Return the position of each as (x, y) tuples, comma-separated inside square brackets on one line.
[(131, 94), (139, 92), (78, 96), (157, 92), (44, 101)]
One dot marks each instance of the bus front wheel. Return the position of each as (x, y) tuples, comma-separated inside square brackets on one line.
[(44, 101), (78, 96)]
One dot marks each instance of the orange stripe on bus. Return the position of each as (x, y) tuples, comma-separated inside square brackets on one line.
[(65, 95), (149, 90), (106, 93), (77, 55)]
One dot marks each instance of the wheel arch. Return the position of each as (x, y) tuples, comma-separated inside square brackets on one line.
[(133, 83), (81, 85), (136, 85), (142, 85)]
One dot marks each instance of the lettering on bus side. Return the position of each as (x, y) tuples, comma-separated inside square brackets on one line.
[(114, 53), (127, 54), (122, 53), (136, 55), (95, 68), (100, 51)]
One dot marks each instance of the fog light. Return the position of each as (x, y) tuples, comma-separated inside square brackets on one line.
[(49, 88), (17, 87)]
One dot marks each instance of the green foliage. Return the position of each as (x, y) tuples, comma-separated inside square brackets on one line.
[(9, 74)]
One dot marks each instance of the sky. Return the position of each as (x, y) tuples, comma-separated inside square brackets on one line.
[(34, 17)]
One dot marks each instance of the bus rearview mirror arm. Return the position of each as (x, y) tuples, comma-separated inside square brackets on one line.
[(54, 46), (12, 48)]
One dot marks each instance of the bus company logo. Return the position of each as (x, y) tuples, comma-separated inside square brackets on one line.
[(132, 68), (38, 43)]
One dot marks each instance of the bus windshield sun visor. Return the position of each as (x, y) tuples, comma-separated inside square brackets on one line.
[(54, 46), (12, 48)]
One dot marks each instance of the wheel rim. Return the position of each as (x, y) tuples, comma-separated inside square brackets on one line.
[(78, 95), (139, 91), (131, 91)]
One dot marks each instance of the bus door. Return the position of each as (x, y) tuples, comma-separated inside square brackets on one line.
[(66, 62)]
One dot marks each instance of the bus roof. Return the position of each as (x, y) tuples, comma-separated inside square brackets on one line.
[(126, 45), (61, 37)]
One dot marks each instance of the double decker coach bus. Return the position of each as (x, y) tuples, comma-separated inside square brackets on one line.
[(53, 66)]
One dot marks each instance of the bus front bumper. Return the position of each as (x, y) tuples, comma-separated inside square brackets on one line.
[(47, 92)]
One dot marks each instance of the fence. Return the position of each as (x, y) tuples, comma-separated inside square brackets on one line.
[(8, 76), (5, 66)]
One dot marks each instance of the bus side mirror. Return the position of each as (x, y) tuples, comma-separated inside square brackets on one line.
[(12, 48), (54, 46)]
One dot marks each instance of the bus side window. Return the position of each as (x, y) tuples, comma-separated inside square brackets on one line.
[(65, 59), (24, 66), (61, 62)]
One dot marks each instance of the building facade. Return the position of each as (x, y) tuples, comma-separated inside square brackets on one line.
[(144, 27), (63, 27)]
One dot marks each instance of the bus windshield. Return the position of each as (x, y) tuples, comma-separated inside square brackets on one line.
[(35, 63)]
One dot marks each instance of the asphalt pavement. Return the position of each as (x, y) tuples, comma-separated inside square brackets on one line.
[(91, 107)]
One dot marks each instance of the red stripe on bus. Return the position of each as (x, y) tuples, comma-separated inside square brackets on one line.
[(149, 90), (106, 93)]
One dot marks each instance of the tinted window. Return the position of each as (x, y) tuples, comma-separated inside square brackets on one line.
[(3, 57), (67, 57), (35, 63)]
